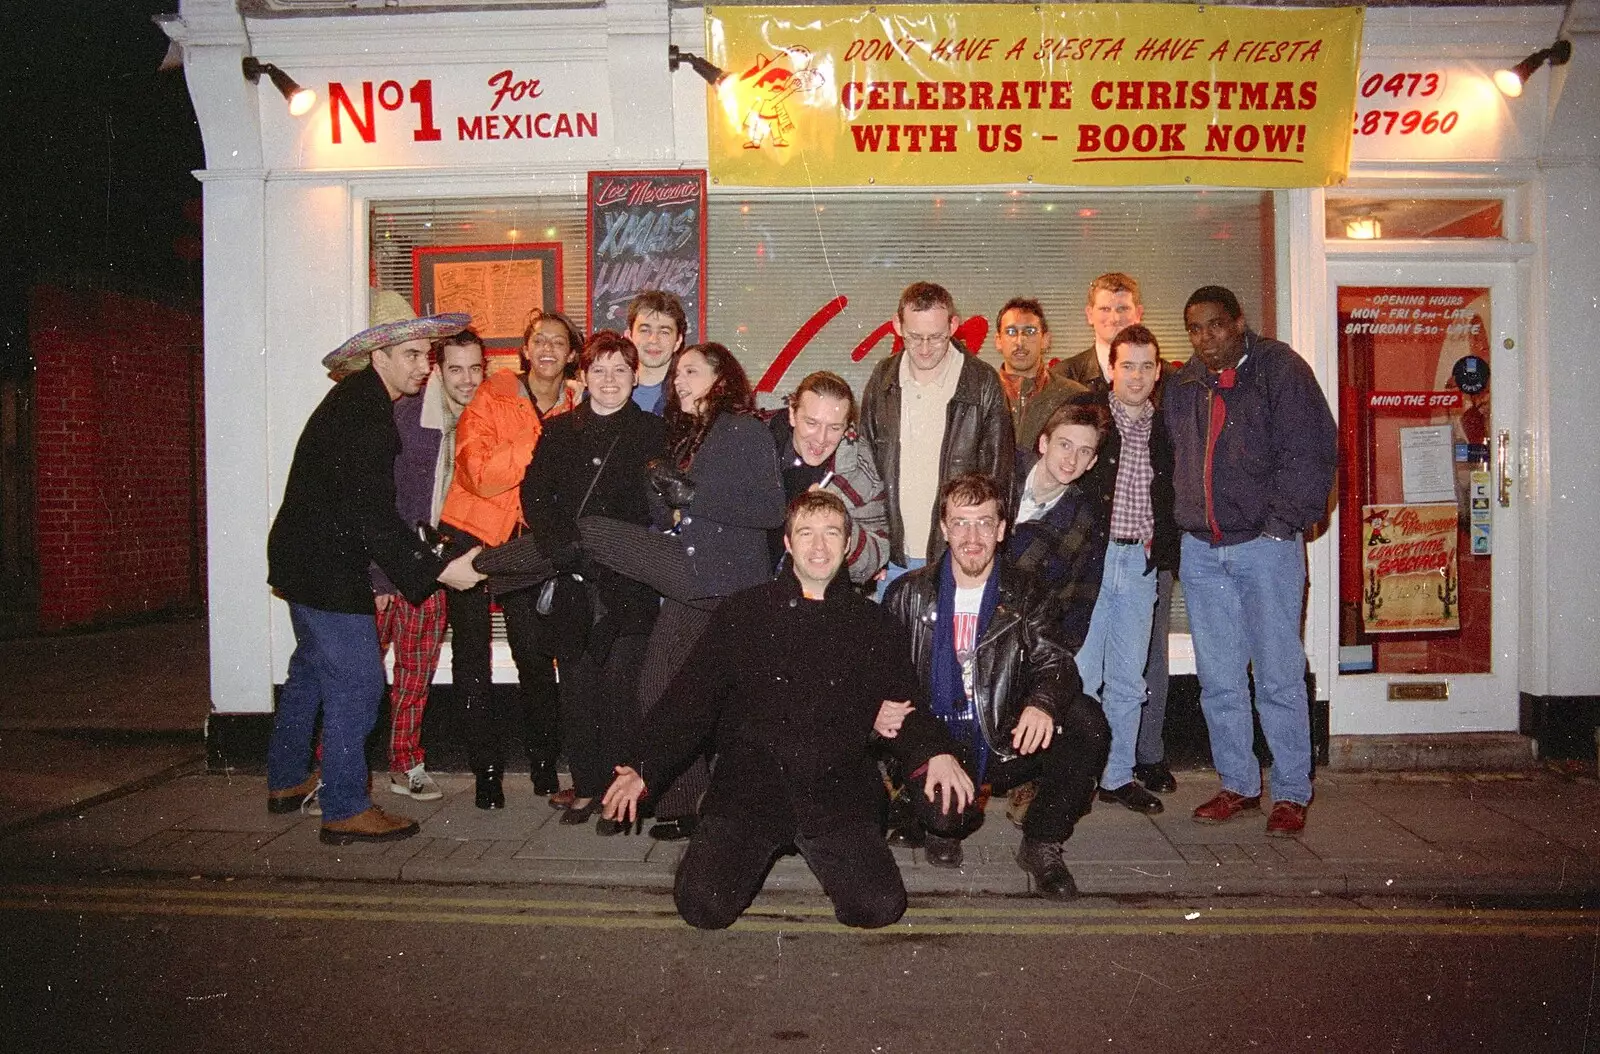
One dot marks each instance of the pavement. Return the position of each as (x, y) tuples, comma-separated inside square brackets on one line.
[(102, 770)]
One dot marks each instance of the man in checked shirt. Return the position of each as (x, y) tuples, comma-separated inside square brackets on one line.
[(1135, 475)]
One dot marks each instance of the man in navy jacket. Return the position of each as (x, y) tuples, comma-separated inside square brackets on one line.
[(1254, 455)]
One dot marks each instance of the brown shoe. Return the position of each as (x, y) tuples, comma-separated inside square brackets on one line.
[(374, 825), (1021, 797), (1225, 806), (562, 799), (291, 798), (1288, 819)]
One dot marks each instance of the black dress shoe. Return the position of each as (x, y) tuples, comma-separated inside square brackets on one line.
[(1134, 797), (543, 775), (1042, 861), (489, 794), (906, 836), (943, 852), (1156, 777), (611, 828), (674, 830)]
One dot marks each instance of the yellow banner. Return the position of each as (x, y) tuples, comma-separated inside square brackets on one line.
[(1103, 94)]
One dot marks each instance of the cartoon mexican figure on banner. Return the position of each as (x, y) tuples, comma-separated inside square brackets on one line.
[(776, 79)]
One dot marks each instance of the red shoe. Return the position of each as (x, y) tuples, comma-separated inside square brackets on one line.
[(1225, 806), (1288, 819)]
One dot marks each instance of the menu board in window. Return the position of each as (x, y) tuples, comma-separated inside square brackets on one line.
[(647, 230)]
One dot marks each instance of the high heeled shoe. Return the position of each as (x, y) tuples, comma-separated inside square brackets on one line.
[(489, 794), (578, 815)]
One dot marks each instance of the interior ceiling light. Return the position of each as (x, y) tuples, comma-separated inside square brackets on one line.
[(300, 100), (1510, 81), (1363, 228), (711, 74)]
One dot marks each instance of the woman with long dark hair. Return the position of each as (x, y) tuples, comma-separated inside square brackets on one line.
[(715, 496)]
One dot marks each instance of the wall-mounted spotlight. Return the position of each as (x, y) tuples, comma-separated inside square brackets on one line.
[(300, 100), (712, 75), (1510, 81)]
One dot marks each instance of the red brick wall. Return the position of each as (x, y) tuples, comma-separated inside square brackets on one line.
[(120, 473)]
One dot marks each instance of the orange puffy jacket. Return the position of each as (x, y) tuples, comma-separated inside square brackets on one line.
[(494, 443)]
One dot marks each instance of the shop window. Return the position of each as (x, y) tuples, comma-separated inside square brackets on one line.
[(1370, 218), (398, 227), (780, 263)]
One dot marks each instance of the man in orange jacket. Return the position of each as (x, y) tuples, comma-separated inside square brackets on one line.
[(494, 443)]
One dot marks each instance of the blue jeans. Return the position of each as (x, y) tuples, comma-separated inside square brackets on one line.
[(1245, 603), (335, 668), (1153, 719), (893, 571), (1112, 659)]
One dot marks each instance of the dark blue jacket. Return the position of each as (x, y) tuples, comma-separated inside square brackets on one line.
[(1064, 550), (1274, 462), (738, 497)]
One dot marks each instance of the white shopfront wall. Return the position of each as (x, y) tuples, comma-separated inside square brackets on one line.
[(485, 101)]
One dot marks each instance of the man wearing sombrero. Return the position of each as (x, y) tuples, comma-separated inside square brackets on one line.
[(338, 518)]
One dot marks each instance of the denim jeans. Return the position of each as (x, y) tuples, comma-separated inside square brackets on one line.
[(335, 668), (1245, 603), (893, 571), (1112, 659), (1153, 719)]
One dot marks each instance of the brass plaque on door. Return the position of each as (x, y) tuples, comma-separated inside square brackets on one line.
[(1419, 691)]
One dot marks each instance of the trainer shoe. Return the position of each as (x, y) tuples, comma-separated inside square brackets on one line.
[(415, 784), (312, 806)]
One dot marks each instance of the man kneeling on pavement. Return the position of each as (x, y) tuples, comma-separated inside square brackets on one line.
[(789, 679), (985, 651)]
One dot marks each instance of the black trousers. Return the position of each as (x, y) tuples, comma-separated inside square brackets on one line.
[(600, 710), (658, 560), (727, 861), (489, 720), (1067, 773)]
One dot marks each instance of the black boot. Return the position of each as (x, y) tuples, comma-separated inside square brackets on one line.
[(489, 794), (543, 775)]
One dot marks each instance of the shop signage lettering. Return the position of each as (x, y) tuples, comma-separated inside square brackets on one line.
[(1406, 110), (1228, 96), (353, 111), (647, 230), (1421, 402)]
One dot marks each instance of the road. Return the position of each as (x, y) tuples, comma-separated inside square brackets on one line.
[(209, 965)]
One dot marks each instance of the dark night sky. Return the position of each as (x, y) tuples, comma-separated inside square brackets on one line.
[(99, 148)]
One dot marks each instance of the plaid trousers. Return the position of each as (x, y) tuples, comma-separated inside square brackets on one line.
[(416, 633)]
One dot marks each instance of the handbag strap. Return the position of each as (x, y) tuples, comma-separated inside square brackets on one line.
[(585, 502)]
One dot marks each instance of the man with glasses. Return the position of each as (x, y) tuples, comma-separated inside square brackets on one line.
[(1022, 337), (991, 668), (928, 415)]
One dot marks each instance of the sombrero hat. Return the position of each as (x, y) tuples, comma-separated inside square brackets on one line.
[(393, 322)]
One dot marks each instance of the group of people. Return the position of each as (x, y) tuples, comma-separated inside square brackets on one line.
[(837, 630)]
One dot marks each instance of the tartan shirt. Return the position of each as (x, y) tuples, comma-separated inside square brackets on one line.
[(1065, 552), (1133, 514)]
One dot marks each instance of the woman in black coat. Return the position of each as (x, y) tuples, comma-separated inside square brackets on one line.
[(591, 461), (715, 498)]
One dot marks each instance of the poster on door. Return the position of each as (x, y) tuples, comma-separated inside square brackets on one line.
[(1410, 572)]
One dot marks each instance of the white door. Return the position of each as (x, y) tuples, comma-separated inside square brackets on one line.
[(1425, 590)]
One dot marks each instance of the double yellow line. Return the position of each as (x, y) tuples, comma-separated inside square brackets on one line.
[(995, 917)]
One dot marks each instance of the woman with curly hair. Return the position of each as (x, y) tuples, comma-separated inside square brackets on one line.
[(715, 496)]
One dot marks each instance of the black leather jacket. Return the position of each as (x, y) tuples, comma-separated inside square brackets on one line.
[(978, 437), (1019, 661)]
